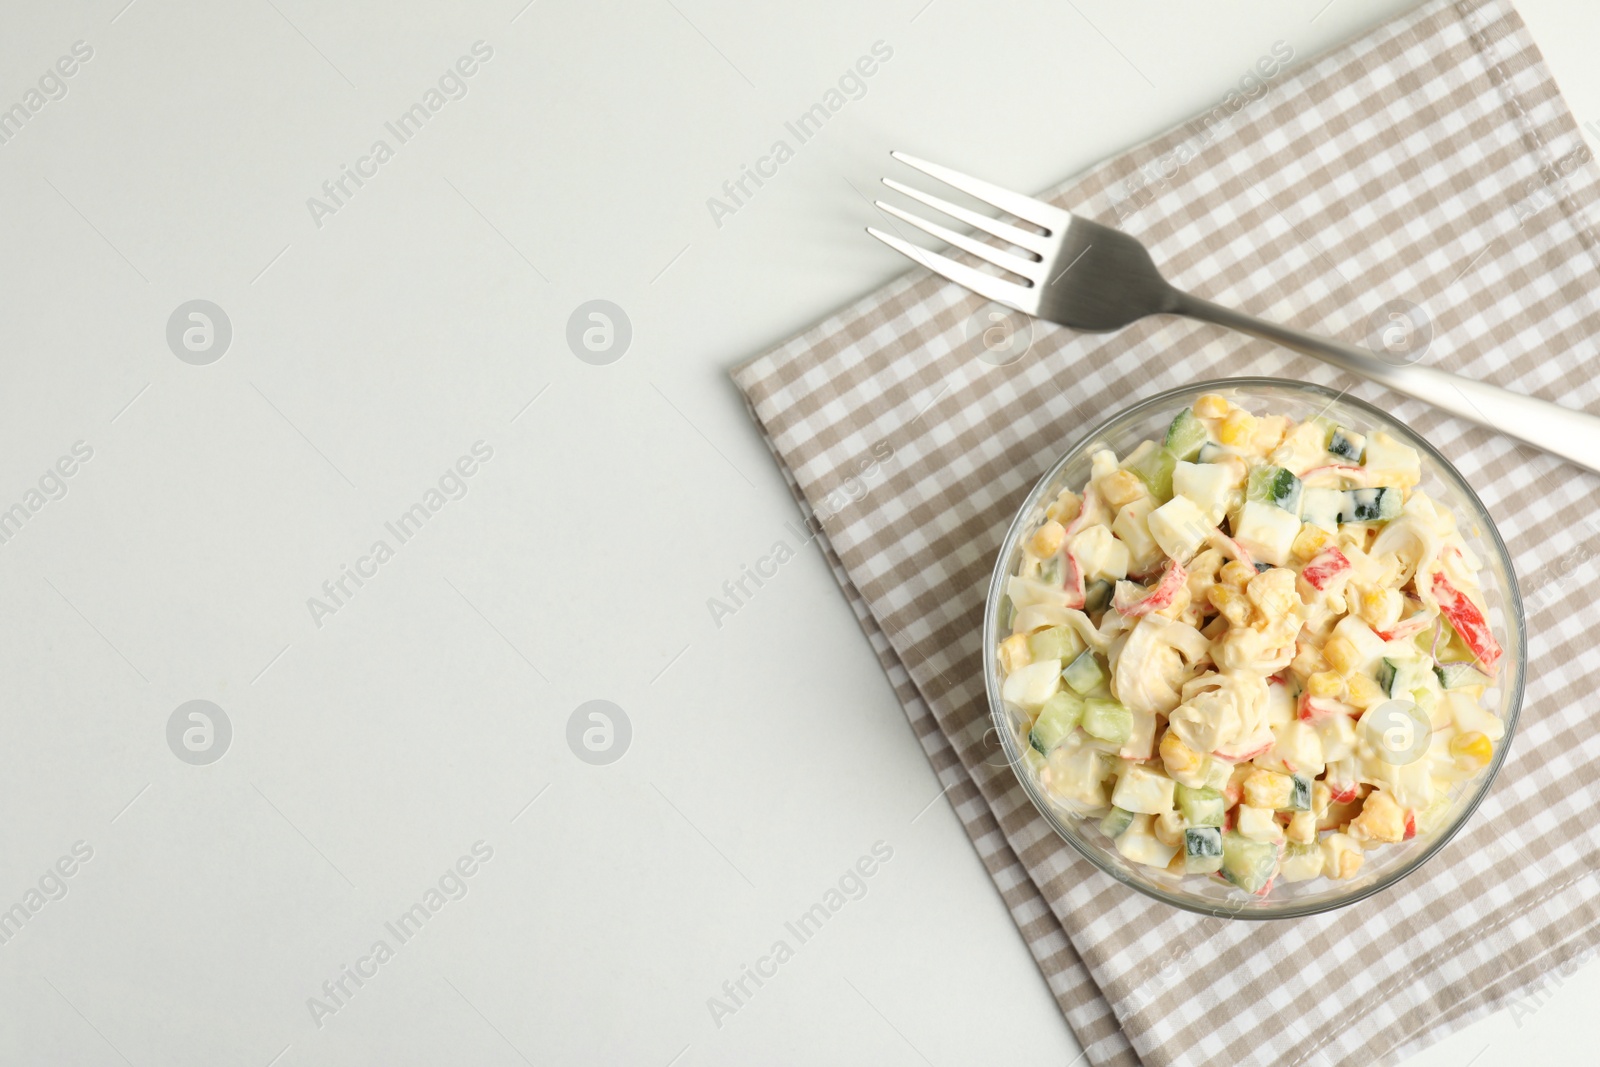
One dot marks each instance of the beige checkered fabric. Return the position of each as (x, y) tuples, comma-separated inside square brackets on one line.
[(1432, 160)]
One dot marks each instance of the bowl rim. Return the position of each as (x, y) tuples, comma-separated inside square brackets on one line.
[(1001, 721)]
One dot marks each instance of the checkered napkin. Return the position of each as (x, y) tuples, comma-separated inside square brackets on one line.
[(1431, 161)]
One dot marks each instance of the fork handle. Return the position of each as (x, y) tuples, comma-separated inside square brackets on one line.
[(1572, 435)]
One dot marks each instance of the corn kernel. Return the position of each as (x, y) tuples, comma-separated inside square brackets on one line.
[(1341, 655), (1211, 406), (1121, 487), (1363, 691), (1169, 829), (1379, 608), (1237, 428), (1235, 607), (1302, 827), (1048, 539), (1236, 574), (1308, 542), (1014, 654), (1325, 684), (1472, 747)]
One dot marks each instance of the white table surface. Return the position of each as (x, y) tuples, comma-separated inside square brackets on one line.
[(369, 353)]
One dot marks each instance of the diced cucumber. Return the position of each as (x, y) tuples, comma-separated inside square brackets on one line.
[(1033, 759), (1057, 719), (1414, 679), (1248, 864), (1451, 647), (1459, 676), (1107, 720), (1387, 672), (1371, 505), (1186, 435), (1346, 444), (1057, 642), (1155, 467), (1098, 596), (1274, 485), (1209, 452), (1202, 850), (1299, 795), (1321, 507), (1201, 807), (1084, 673), (1115, 822), (1050, 571)]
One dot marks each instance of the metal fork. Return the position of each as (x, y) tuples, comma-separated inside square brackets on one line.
[(1090, 277)]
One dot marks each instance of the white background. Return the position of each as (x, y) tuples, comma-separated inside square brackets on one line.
[(369, 753)]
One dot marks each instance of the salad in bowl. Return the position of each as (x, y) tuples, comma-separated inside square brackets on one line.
[(1261, 658)]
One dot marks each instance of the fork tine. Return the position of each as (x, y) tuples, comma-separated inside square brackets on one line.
[(1023, 207), (1025, 268), (985, 285), (1004, 230)]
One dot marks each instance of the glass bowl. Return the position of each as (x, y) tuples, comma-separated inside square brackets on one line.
[(1382, 867)]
